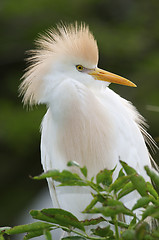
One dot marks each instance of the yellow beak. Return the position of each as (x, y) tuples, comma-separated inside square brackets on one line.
[(103, 75)]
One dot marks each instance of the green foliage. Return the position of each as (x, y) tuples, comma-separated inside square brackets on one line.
[(106, 192), (54, 215)]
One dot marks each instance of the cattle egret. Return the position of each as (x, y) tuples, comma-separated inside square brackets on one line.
[(86, 121)]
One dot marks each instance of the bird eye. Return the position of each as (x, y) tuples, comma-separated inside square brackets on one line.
[(79, 68)]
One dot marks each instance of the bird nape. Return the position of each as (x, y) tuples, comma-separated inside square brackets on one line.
[(85, 121)]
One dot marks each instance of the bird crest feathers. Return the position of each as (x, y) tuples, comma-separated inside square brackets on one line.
[(70, 40)]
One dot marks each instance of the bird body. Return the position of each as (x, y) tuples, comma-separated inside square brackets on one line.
[(86, 121), (84, 130)]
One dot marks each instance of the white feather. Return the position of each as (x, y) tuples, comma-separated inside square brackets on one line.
[(93, 128)]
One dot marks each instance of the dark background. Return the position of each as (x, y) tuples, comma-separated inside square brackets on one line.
[(127, 32)]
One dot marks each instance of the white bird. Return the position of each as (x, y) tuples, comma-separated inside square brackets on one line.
[(86, 121)]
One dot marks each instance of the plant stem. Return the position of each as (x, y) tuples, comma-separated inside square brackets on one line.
[(116, 228), (83, 234)]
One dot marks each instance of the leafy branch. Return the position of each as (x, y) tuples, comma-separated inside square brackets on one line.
[(112, 211)]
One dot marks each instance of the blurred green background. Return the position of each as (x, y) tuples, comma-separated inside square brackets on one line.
[(127, 32)]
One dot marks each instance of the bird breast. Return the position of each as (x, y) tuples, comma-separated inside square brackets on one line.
[(78, 129), (93, 128)]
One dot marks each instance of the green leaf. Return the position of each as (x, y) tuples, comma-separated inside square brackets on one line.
[(142, 230), (73, 164), (149, 237), (156, 214), (112, 202), (105, 177), (129, 235), (69, 179), (103, 232), (33, 234), (121, 173), (111, 211), (48, 174), (154, 177), (92, 179), (66, 178), (120, 224), (156, 233), (3, 229), (152, 211), (137, 180), (93, 221), (28, 228), (142, 202), (102, 199), (119, 183), (149, 210), (48, 235), (74, 183), (151, 190), (129, 170), (95, 186), (1, 237), (140, 184), (58, 216), (74, 238), (132, 223), (129, 187), (84, 171), (91, 205)]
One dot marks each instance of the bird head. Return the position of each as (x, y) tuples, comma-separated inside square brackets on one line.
[(66, 52)]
